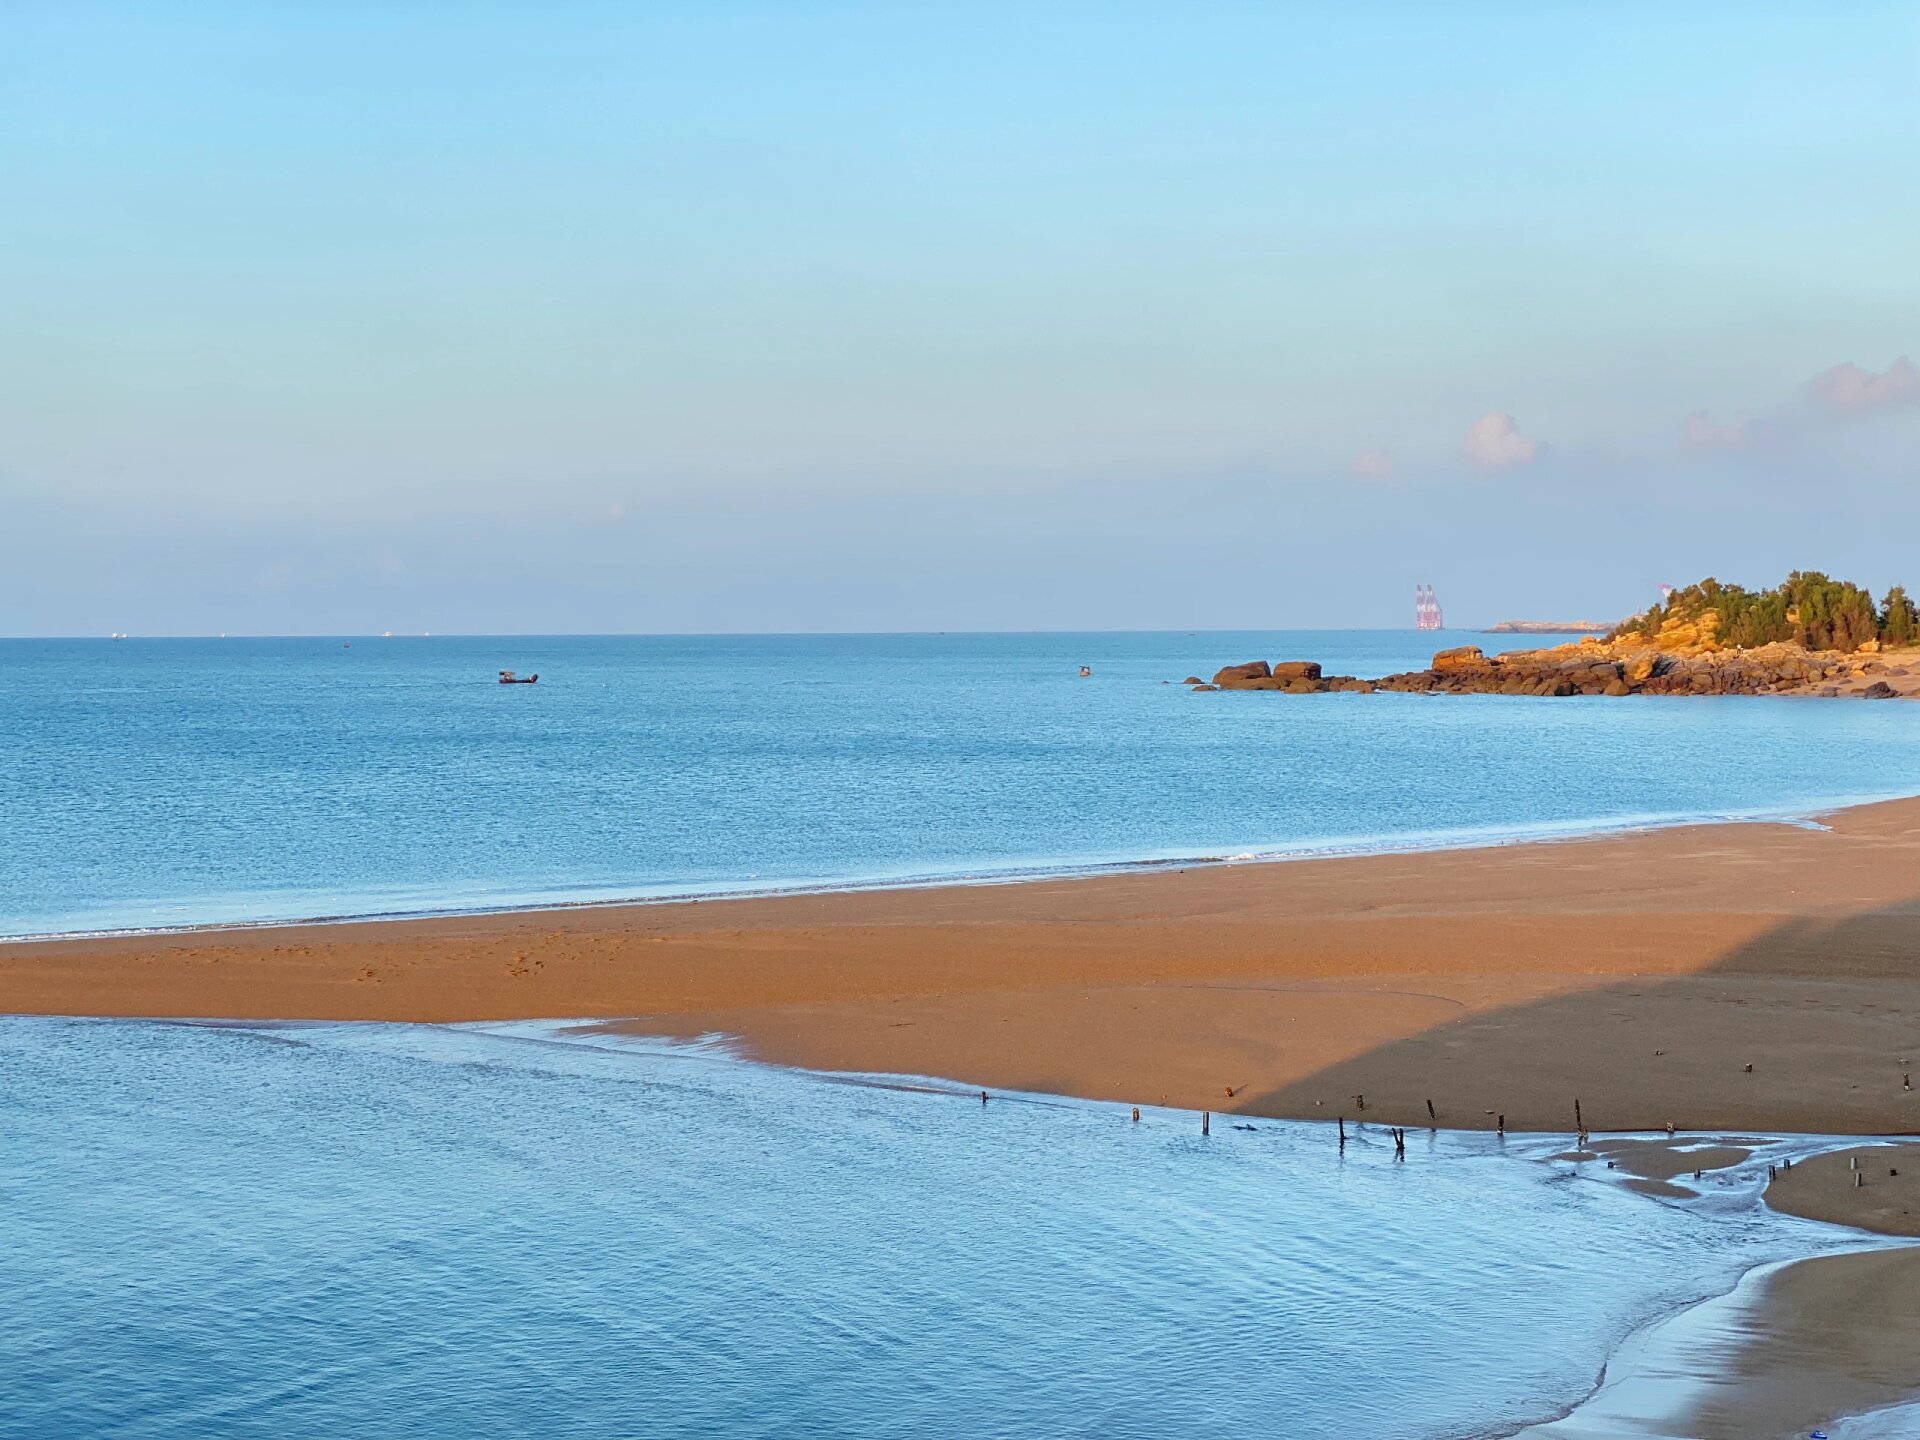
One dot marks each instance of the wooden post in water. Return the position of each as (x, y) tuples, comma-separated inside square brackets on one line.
[(1343, 1132), (1206, 1122), (1136, 1114), (983, 1097), (1579, 1125), (1500, 1127), (1431, 1117)]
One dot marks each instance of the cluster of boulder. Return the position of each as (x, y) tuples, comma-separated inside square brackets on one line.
[(1591, 668), (1295, 677)]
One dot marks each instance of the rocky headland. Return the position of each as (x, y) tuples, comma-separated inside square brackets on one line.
[(1608, 667), (1810, 635)]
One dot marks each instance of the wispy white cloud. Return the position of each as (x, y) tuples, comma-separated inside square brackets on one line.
[(1812, 418), (1701, 432), (1822, 420), (1375, 464), (1850, 389), (1494, 442)]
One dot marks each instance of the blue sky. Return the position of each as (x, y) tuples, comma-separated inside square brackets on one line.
[(321, 317)]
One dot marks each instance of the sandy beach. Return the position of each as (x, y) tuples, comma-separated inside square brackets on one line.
[(1735, 976)]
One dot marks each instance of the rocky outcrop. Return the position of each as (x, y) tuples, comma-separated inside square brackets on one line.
[(1293, 677), (1593, 667), (1242, 677), (1259, 675), (1463, 658)]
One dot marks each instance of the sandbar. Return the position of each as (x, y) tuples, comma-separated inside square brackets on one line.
[(1738, 976)]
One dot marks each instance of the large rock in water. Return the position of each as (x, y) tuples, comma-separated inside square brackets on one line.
[(1461, 657), (1296, 669), (1879, 690), (1242, 677)]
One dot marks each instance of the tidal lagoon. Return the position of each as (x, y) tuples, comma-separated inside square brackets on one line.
[(427, 1231)]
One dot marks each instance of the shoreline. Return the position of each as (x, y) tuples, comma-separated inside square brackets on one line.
[(1792, 1343), (1798, 1346), (1826, 1339), (1638, 973), (1816, 1183), (1413, 843)]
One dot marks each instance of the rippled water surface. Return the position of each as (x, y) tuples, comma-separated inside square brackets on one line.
[(424, 1232), (165, 782)]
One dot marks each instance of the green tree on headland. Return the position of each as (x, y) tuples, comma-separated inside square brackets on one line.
[(1831, 614), (1899, 622), (1809, 608)]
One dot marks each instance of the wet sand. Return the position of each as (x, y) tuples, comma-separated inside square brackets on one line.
[(1871, 1187), (1795, 1348), (1657, 1166), (1828, 1338), (1640, 974), (1838, 1335)]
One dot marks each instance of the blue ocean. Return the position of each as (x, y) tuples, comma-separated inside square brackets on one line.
[(152, 783)]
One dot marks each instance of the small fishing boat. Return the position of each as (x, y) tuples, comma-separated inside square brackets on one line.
[(507, 677)]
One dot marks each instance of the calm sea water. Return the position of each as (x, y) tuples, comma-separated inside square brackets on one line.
[(165, 782), (466, 1232)]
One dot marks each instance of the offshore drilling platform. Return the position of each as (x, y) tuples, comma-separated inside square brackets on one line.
[(1426, 609)]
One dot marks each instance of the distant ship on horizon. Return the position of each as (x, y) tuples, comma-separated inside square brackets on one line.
[(1426, 609)]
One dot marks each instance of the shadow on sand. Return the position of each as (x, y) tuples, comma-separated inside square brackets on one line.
[(1826, 1013)]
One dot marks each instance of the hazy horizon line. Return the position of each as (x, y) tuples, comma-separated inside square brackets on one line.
[(783, 634)]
